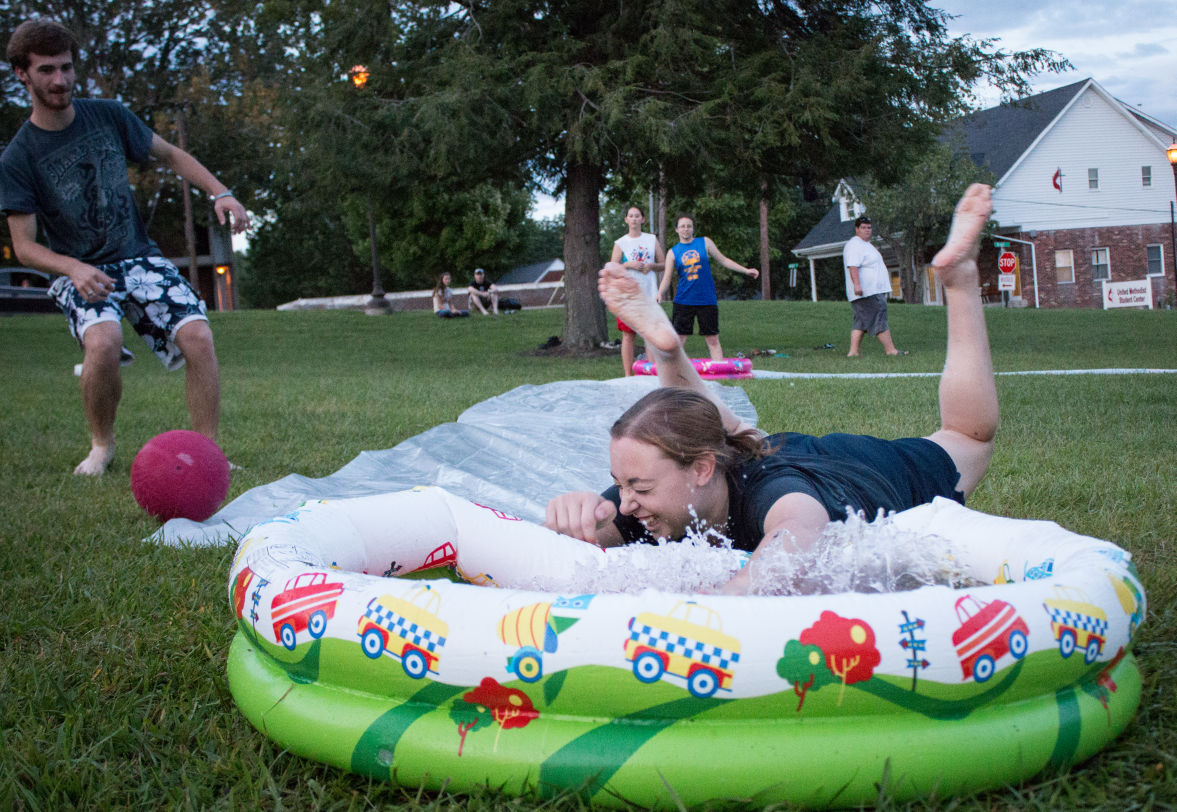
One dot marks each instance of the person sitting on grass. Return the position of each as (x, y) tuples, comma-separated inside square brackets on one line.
[(483, 293), (682, 462), (443, 299)]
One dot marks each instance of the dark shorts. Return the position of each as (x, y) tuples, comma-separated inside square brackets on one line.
[(683, 318), (153, 295), (870, 314)]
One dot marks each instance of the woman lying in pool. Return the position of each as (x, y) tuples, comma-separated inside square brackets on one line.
[(682, 462)]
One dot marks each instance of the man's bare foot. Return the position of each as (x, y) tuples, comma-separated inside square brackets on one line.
[(96, 461), (626, 301), (956, 262)]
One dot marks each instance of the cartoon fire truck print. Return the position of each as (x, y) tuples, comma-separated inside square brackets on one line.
[(406, 629), (245, 579), (306, 603), (536, 629), (442, 556), (987, 632), (688, 643), (1076, 622)]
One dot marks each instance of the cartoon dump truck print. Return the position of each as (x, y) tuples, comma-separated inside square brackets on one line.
[(406, 629), (535, 629), (306, 603), (687, 643), (987, 632), (1130, 598), (1076, 622)]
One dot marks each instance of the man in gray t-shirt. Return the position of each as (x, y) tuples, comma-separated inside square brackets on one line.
[(66, 170)]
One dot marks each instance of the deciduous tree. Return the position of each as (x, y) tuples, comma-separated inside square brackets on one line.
[(913, 213)]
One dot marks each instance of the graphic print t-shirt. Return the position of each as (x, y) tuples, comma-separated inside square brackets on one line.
[(75, 182), (696, 286), (640, 249)]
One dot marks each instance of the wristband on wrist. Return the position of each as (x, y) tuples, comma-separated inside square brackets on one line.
[(222, 194)]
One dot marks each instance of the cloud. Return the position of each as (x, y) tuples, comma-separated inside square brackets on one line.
[(1122, 45), (1144, 50)]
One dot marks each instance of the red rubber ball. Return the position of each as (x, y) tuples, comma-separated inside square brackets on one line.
[(180, 475)]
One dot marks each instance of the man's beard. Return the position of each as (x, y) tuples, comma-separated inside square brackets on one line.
[(55, 101)]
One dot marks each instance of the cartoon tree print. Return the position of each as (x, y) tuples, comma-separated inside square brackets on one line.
[(805, 667), (490, 701), (469, 716), (848, 645), (1104, 686)]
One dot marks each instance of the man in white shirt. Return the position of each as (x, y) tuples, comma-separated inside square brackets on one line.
[(867, 284)]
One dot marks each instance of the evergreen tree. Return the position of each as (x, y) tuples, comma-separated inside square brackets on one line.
[(683, 93)]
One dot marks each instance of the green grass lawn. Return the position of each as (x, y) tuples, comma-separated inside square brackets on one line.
[(112, 651)]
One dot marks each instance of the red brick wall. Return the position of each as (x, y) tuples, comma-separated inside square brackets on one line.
[(1126, 252)]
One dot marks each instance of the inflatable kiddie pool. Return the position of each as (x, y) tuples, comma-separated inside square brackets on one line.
[(706, 367), (658, 699)]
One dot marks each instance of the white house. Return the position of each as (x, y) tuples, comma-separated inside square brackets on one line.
[(1084, 194)]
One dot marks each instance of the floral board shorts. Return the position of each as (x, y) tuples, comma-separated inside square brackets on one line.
[(153, 295)]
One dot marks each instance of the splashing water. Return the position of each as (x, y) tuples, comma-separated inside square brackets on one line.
[(851, 556), (857, 555), (690, 566)]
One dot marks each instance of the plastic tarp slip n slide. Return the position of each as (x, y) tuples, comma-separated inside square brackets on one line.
[(513, 452)]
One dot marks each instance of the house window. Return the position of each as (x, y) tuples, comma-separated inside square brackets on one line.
[(851, 208), (1092, 178), (1064, 266), (1100, 269), (1156, 259), (1146, 176)]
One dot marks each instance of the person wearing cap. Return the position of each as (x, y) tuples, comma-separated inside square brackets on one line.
[(483, 293), (65, 172), (867, 284)]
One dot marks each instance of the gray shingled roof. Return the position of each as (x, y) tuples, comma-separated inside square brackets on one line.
[(995, 138), (526, 274), (830, 229)]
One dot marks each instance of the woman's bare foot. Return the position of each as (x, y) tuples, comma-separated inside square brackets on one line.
[(626, 301), (96, 461), (956, 262)]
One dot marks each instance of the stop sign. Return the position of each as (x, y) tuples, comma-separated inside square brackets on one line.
[(1007, 262)]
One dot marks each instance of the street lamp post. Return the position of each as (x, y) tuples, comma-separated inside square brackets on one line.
[(377, 304), (1171, 153)]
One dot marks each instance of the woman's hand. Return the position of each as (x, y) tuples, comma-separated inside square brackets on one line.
[(583, 515)]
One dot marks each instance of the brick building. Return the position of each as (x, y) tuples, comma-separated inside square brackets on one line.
[(1083, 195)]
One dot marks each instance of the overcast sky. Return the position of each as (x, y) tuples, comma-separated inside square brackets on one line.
[(1128, 46)]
